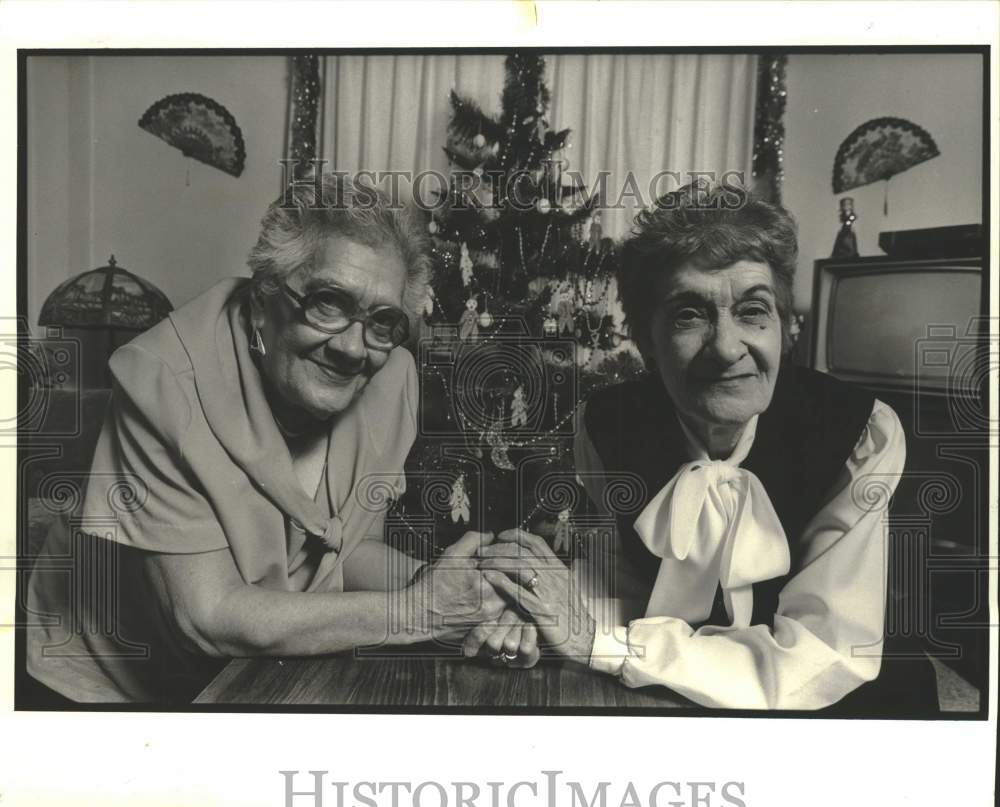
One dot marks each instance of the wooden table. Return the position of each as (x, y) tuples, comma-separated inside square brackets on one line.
[(418, 680), (435, 677)]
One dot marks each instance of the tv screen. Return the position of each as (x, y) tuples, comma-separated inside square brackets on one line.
[(898, 324)]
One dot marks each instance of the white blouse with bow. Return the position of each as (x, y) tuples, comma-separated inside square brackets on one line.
[(713, 525)]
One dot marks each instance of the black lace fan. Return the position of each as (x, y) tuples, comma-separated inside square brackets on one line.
[(878, 150), (200, 127)]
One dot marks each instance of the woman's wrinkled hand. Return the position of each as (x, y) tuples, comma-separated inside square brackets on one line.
[(452, 595), (523, 568), (511, 635)]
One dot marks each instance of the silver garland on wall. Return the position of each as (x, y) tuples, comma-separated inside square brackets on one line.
[(769, 126), (303, 109)]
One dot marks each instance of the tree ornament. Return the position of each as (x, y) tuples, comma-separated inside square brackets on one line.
[(544, 205), (459, 501), (432, 227), (428, 306), (596, 231), (518, 408), (609, 338), (498, 452), (550, 326), (565, 311), (486, 318), (465, 265), (490, 210), (560, 541), (479, 141), (499, 445), (468, 328), (500, 459)]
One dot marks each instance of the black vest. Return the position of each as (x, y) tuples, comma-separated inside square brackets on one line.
[(803, 440)]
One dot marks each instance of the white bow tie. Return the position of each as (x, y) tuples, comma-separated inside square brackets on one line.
[(712, 523)]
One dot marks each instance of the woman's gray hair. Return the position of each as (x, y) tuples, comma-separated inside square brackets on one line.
[(314, 208), (711, 227)]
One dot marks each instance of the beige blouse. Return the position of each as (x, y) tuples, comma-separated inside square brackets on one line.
[(190, 460)]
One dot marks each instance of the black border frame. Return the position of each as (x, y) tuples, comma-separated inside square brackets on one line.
[(21, 298)]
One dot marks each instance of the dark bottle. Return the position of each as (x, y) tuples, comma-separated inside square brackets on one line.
[(846, 244)]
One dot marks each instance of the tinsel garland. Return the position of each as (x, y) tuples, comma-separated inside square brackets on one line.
[(303, 99), (769, 126)]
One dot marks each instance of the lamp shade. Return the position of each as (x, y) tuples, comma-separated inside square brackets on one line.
[(100, 310), (107, 297)]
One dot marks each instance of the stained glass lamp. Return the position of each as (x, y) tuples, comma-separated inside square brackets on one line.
[(104, 308)]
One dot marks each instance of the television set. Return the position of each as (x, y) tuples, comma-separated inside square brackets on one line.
[(912, 331), (900, 325)]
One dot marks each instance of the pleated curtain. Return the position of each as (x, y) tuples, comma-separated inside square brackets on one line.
[(631, 114)]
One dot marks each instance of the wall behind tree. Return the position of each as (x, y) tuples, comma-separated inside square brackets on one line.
[(98, 184), (830, 95)]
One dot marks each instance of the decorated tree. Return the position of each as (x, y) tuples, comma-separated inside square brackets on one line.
[(518, 318), (509, 223)]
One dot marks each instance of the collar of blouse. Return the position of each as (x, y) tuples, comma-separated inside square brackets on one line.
[(712, 524)]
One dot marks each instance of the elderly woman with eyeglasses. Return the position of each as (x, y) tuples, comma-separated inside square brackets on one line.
[(260, 426), (757, 558)]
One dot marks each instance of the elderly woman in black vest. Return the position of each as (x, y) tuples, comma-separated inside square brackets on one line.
[(759, 569)]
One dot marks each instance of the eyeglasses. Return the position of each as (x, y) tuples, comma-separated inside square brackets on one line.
[(332, 311)]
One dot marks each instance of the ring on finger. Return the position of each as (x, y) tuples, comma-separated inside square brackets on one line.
[(508, 657), (532, 583)]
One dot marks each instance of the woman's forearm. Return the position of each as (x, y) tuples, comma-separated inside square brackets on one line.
[(252, 621), (376, 566), (216, 612)]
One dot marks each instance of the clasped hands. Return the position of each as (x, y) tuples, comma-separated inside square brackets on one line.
[(511, 597)]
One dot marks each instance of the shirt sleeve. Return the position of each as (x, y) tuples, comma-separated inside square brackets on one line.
[(139, 481), (828, 627)]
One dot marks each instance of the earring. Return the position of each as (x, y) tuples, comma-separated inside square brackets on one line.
[(256, 343)]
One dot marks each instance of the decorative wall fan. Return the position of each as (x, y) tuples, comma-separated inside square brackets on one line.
[(878, 150), (200, 127)]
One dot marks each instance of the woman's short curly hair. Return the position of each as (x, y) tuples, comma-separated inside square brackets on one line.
[(313, 209), (711, 227)]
